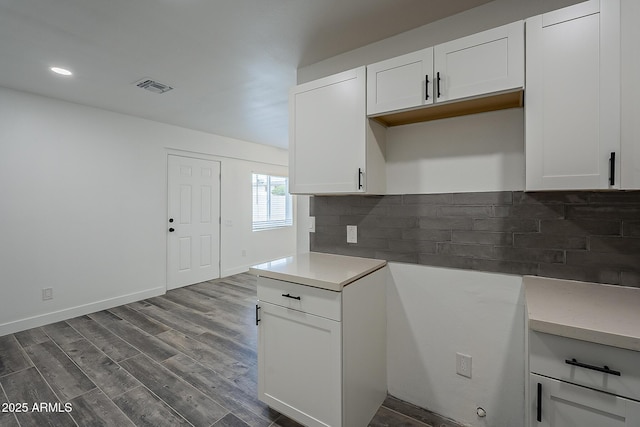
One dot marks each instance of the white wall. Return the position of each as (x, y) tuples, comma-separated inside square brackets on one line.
[(479, 152), (434, 313), (83, 206)]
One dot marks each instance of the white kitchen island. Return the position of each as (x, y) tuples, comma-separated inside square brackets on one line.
[(322, 338)]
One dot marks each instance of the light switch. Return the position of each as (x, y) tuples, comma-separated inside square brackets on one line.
[(352, 234), (312, 224)]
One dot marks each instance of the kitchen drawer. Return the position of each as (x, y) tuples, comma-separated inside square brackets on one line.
[(308, 299), (548, 355)]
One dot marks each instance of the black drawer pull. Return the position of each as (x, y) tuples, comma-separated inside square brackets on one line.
[(604, 369), (291, 296), (426, 87), (257, 318), (539, 409), (612, 168)]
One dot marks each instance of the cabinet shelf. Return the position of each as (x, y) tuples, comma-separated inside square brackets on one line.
[(481, 104)]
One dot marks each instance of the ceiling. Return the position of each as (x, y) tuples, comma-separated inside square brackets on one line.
[(230, 62)]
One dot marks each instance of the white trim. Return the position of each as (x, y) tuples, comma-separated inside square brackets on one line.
[(81, 310)]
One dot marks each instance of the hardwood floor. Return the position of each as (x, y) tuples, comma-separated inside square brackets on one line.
[(184, 358)]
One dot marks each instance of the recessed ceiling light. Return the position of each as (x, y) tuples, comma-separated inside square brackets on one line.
[(61, 71)]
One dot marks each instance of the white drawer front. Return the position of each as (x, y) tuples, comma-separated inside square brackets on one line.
[(549, 353), (308, 299)]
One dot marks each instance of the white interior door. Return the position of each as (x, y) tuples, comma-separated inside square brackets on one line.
[(193, 221)]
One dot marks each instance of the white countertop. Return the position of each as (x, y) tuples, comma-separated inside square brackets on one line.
[(604, 314), (320, 270)]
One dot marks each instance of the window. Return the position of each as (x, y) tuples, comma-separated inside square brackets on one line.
[(271, 202)]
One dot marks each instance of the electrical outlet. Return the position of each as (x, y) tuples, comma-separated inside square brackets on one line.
[(47, 294), (352, 234), (463, 365)]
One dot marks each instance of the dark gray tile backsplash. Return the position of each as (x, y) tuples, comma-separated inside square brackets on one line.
[(589, 236)]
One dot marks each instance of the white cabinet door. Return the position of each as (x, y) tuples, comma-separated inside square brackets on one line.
[(327, 134), (333, 147), (572, 105), (402, 82), (559, 404), (300, 365), (482, 63), (630, 150)]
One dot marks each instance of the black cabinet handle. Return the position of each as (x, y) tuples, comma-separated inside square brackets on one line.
[(170, 219), (257, 319), (359, 178), (612, 168), (171, 230), (604, 369), (438, 84), (291, 296), (539, 414), (426, 87)]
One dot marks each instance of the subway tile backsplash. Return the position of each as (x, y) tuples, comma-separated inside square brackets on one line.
[(588, 236)]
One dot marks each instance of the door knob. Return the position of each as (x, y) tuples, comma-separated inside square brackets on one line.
[(171, 230)]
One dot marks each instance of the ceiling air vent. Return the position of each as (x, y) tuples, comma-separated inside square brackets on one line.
[(153, 86)]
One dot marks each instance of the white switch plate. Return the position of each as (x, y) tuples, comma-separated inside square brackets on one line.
[(463, 365), (312, 224), (352, 234)]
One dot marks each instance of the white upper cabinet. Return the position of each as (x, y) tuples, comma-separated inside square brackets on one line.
[(572, 112), (402, 82), (490, 61), (333, 147), (630, 150), (484, 63)]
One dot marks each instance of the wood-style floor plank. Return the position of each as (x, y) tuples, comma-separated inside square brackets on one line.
[(150, 345), (29, 387), (62, 333), (8, 418), (31, 336), (94, 409), (12, 358), (231, 421), (219, 362), (104, 372), (188, 401), (109, 343), (218, 325), (64, 377), (146, 410), (222, 390), (168, 318), (231, 348), (141, 321), (190, 300)]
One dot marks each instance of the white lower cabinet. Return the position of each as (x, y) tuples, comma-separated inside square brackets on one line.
[(574, 383), (300, 365), (322, 354), (560, 404)]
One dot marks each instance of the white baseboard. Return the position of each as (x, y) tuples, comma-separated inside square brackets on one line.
[(68, 313)]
